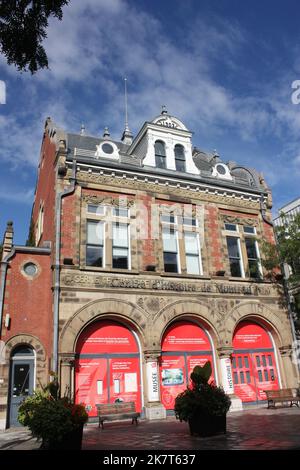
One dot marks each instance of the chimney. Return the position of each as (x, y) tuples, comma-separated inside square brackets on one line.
[(8, 239)]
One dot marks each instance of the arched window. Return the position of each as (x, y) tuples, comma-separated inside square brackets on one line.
[(160, 154), (179, 157)]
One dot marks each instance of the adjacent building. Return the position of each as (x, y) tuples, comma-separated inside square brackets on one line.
[(146, 263)]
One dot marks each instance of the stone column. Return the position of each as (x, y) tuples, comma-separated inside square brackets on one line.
[(153, 406), (226, 377), (67, 375), (291, 377)]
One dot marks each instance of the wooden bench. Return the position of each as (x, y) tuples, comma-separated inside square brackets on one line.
[(117, 411), (282, 396)]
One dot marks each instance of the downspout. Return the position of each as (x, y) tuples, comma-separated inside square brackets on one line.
[(57, 266), (4, 267), (285, 284)]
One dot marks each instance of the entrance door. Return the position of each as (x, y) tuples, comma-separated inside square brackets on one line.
[(253, 362), (22, 380), (107, 366), (184, 345)]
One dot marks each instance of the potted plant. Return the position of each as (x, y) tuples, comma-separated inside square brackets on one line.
[(56, 420), (203, 405)]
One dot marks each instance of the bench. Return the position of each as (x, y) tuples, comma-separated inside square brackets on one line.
[(282, 396), (117, 411)]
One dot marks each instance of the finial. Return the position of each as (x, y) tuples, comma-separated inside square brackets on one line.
[(216, 154), (82, 129), (163, 109), (127, 135), (106, 132)]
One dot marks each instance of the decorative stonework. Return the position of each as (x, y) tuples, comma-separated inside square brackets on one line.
[(252, 221), (111, 201), (152, 303), (220, 196)]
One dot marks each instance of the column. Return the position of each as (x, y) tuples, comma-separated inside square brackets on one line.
[(153, 406), (226, 377), (290, 368), (67, 375)]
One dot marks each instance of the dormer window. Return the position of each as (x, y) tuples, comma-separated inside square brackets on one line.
[(179, 157), (160, 154)]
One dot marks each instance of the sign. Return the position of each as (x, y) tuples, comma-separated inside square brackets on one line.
[(226, 373), (152, 381)]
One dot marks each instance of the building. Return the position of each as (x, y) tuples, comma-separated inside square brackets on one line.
[(287, 214), (146, 262)]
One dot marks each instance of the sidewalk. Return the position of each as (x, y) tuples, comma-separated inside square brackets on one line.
[(258, 429)]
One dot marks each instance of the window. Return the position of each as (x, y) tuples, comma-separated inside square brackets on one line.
[(120, 246), (179, 157), (253, 258), (96, 209), (160, 154), (234, 253), (181, 242), (170, 251), (95, 243), (108, 237), (30, 269), (248, 229), (192, 253), (40, 224), (120, 212), (231, 227)]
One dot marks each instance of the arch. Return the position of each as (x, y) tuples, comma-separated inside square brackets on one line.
[(118, 310), (194, 310), (25, 340), (258, 312)]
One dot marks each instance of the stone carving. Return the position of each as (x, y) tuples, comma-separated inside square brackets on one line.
[(240, 220), (111, 201), (151, 303)]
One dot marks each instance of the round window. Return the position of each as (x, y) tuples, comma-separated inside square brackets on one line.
[(107, 148), (30, 269), (221, 170)]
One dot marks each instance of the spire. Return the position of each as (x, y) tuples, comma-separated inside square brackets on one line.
[(127, 135), (82, 129)]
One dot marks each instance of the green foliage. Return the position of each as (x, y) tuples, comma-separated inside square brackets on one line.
[(287, 249), (50, 417), (23, 25), (202, 397)]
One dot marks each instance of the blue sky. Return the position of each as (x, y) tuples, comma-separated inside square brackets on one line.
[(224, 67)]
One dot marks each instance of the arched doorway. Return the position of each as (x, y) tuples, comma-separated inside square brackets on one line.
[(21, 380), (254, 364), (184, 345), (107, 366)]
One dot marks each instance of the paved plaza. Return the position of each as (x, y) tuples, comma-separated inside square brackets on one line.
[(257, 429)]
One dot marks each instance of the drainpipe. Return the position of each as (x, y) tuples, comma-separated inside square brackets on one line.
[(57, 265), (4, 267)]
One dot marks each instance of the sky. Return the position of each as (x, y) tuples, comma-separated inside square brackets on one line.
[(223, 67)]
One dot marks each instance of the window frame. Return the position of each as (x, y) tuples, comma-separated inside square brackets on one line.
[(158, 156)]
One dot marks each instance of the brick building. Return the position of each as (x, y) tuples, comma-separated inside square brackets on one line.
[(146, 263)]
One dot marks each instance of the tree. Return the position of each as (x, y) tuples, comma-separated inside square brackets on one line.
[(23, 25), (286, 254), (287, 249)]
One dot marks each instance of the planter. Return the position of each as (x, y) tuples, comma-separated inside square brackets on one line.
[(71, 441), (207, 425)]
